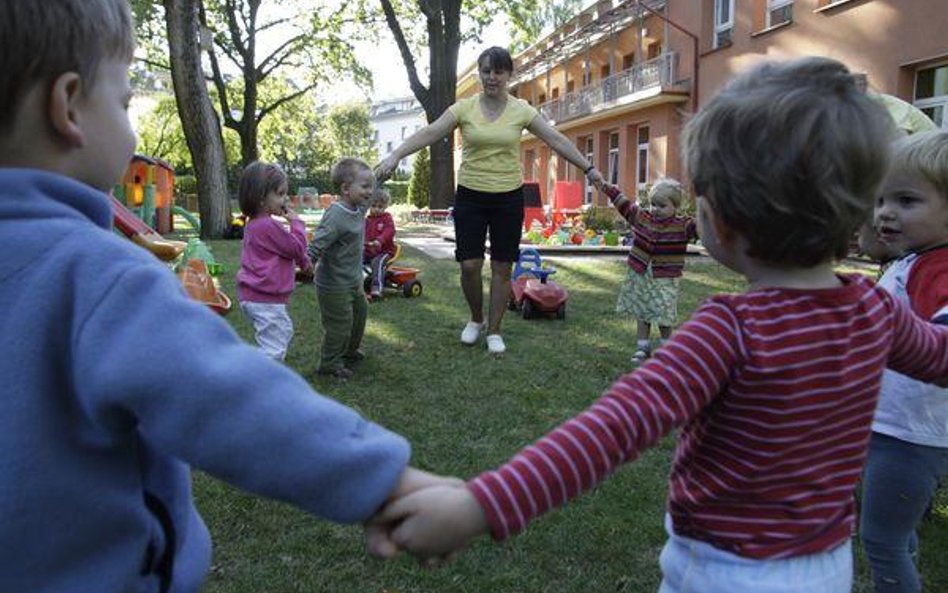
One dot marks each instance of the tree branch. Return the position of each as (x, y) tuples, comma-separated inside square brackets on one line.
[(421, 93), (263, 71), (264, 111)]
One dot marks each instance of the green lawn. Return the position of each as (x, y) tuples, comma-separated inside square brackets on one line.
[(465, 411)]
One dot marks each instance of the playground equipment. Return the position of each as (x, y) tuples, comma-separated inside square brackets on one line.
[(200, 286), (142, 234), (531, 292), (148, 189), (396, 277)]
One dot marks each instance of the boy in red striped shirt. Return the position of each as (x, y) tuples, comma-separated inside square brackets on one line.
[(773, 390)]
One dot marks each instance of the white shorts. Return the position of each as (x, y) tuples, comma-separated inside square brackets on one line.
[(692, 566), (273, 328)]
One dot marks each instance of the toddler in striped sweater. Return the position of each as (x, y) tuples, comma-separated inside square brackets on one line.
[(660, 237), (772, 391)]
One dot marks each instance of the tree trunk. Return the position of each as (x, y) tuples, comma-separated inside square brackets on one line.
[(198, 119), (443, 25)]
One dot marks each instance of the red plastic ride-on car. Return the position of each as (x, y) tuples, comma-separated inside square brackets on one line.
[(400, 278), (531, 291)]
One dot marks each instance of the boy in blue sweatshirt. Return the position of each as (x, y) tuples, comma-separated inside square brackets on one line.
[(104, 405)]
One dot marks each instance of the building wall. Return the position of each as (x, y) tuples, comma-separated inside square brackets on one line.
[(393, 121), (888, 40)]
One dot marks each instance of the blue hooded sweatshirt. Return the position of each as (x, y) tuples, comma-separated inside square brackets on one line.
[(113, 382)]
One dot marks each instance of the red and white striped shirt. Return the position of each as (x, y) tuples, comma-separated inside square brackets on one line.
[(774, 390)]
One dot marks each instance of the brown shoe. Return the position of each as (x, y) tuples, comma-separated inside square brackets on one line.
[(342, 373)]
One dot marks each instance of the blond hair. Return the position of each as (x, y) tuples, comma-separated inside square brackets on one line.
[(925, 155), (791, 156), (44, 39), (669, 188)]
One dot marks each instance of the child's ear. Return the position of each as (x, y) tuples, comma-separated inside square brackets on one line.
[(724, 233), (64, 97)]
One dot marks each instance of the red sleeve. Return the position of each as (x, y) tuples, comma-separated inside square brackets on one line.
[(638, 410), (927, 286), (919, 348), (387, 235)]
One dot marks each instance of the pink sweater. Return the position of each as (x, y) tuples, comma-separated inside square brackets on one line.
[(269, 258), (774, 391)]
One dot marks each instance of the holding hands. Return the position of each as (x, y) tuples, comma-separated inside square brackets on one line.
[(385, 168), (595, 178), (429, 516)]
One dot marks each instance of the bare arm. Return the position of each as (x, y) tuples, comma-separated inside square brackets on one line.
[(540, 128), (426, 136)]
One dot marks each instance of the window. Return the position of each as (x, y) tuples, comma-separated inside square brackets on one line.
[(570, 86), (541, 99), (642, 157), (723, 22), (404, 131), (779, 12), (389, 147), (588, 187), (931, 93), (654, 50), (604, 71), (628, 60), (556, 93), (613, 173)]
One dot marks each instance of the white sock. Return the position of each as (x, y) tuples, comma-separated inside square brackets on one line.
[(642, 344)]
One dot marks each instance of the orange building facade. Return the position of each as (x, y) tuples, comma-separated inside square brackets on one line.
[(620, 78)]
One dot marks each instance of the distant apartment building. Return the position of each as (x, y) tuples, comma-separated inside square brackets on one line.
[(621, 77), (392, 121)]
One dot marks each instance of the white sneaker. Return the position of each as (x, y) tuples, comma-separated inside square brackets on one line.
[(495, 344), (471, 332)]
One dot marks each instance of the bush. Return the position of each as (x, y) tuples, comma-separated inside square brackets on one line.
[(601, 218), (398, 190), (419, 193)]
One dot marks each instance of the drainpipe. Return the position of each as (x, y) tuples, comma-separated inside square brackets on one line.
[(694, 44)]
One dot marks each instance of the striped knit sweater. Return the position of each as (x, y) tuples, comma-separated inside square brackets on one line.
[(774, 391), (661, 242)]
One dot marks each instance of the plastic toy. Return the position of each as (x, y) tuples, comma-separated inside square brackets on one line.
[(397, 277), (531, 292), (201, 287), (142, 234)]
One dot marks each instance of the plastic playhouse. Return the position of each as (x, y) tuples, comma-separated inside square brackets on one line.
[(531, 291), (147, 193)]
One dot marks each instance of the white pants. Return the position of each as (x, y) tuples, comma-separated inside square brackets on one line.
[(692, 566), (272, 326)]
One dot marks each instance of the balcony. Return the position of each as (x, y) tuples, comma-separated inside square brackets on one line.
[(619, 89)]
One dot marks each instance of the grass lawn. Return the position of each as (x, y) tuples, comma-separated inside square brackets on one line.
[(465, 411)]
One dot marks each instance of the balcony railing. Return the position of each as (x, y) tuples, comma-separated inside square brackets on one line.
[(653, 74)]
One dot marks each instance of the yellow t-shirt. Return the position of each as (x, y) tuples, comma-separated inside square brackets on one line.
[(490, 156)]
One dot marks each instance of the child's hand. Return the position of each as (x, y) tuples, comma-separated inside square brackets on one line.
[(435, 522), (596, 178), (290, 214), (378, 531)]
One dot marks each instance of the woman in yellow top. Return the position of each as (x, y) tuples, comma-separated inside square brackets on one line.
[(490, 184)]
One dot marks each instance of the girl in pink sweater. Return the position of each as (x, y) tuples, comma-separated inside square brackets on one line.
[(269, 256)]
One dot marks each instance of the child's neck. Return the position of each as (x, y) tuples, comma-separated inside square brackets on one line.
[(761, 276), (348, 203)]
